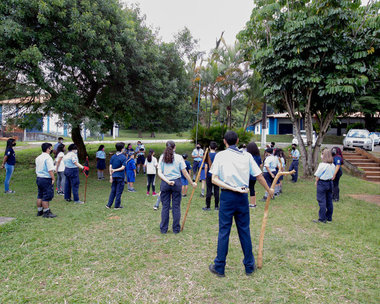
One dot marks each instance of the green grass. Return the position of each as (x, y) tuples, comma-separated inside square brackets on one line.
[(93, 255)]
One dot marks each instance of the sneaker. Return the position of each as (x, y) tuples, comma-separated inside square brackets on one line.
[(48, 214), (79, 202), (211, 267), (206, 209), (10, 191), (133, 190), (264, 199), (62, 193), (68, 200), (216, 208), (118, 208), (147, 193), (108, 207), (202, 195), (319, 221), (40, 213), (252, 206), (155, 208), (154, 194), (184, 195)]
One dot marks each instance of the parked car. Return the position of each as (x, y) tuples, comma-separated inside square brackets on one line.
[(375, 137), (304, 137), (358, 138)]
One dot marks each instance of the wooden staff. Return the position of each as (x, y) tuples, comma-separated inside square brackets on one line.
[(265, 218), (85, 190), (192, 192)]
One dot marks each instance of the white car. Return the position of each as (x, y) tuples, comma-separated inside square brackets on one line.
[(375, 137), (358, 138), (304, 137)]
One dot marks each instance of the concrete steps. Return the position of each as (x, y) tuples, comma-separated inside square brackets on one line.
[(365, 161)]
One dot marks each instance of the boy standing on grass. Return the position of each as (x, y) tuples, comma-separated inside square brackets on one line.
[(45, 181), (117, 165), (230, 171)]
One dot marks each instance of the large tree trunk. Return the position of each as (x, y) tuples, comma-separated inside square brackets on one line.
[(77, 138)]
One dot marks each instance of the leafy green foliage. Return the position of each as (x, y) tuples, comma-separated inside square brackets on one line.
[(357, 125), (216, 133)]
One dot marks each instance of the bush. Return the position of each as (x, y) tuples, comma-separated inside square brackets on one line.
[(216, 133), (356, 125)]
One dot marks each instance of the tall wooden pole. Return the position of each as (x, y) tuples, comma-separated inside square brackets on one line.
[(192, 192), (265, 218)]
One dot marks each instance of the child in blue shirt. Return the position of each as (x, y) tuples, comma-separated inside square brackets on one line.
[(184, 181), (118, 163), (101, 162), (131, 172)]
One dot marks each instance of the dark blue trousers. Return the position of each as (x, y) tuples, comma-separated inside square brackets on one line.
[(117, 189), (294, 165), (72, 183), (324, 198), (234, 205), (173, 193), (335, 193), (268, 178)]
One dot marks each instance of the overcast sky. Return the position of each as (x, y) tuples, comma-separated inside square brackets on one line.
[(206, 19)]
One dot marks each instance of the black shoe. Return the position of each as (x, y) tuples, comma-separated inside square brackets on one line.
[(68, 200), (206, 209), (319, 221), (202, 195), (108, 207), (252, 206), (216, 208), (329, 221), (264, 199), (40, 213), (48, 214), (211, 267), (120, 207)]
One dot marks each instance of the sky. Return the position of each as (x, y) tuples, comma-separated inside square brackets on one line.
[(206, 19)]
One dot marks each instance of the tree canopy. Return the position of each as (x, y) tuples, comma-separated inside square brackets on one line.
[(315, 59)]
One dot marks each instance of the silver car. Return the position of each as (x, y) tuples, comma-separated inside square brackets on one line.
[(375, 137), (358, 138)]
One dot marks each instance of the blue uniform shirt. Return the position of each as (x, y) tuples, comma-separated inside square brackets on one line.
[(101, 155), (295, 154), (188, 168), (69, 159), (338, 162), (172, 171), (11, 160), (325, 171), (118, 160), (234, 167), (212, 157), (131, 165), (258, 161)]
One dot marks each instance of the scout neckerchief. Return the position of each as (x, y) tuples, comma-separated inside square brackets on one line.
[(233, 148)]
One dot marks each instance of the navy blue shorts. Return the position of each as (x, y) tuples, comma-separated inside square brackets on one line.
[(45, 189), (101, 164), (140, 159), (131, 176)]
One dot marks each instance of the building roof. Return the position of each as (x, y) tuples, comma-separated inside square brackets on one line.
[(23, 100)]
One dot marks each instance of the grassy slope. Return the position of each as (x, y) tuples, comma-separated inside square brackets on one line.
[(90, 254)]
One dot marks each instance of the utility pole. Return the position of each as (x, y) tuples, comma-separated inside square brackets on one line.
[(264, 126)]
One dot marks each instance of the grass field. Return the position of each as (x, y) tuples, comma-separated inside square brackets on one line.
[(90, 254)]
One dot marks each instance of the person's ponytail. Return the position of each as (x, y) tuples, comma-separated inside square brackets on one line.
[(169, 152), (149, 158)]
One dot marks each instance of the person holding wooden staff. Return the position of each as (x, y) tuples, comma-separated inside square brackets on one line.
[(170, 167), (230, 171)]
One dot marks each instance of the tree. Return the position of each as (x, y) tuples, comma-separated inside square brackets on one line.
[(315, 58)]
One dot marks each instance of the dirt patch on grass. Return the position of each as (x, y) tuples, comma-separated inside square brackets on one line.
[(374, 199), (114, 217)]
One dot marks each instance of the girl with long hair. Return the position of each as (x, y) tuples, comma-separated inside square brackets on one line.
[(255, 152), (170, 167), (150, 166)]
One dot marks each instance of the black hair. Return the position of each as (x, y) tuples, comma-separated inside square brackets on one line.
[(60, 148), (269, 150), (10, 142), (231, 138), (149, 157), (119, 146), (272, 143), (184, 156), (60, 138), (169, 152), (333, 151), (213, 145), (129, 145), (72, 147), (100, 147), (253, 149), (45, 146)]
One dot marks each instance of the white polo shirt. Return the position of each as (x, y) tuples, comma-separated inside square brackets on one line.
[(44, 164), (325, 171), (151, 167), (234, 167), (172, 171), (271, 162)]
